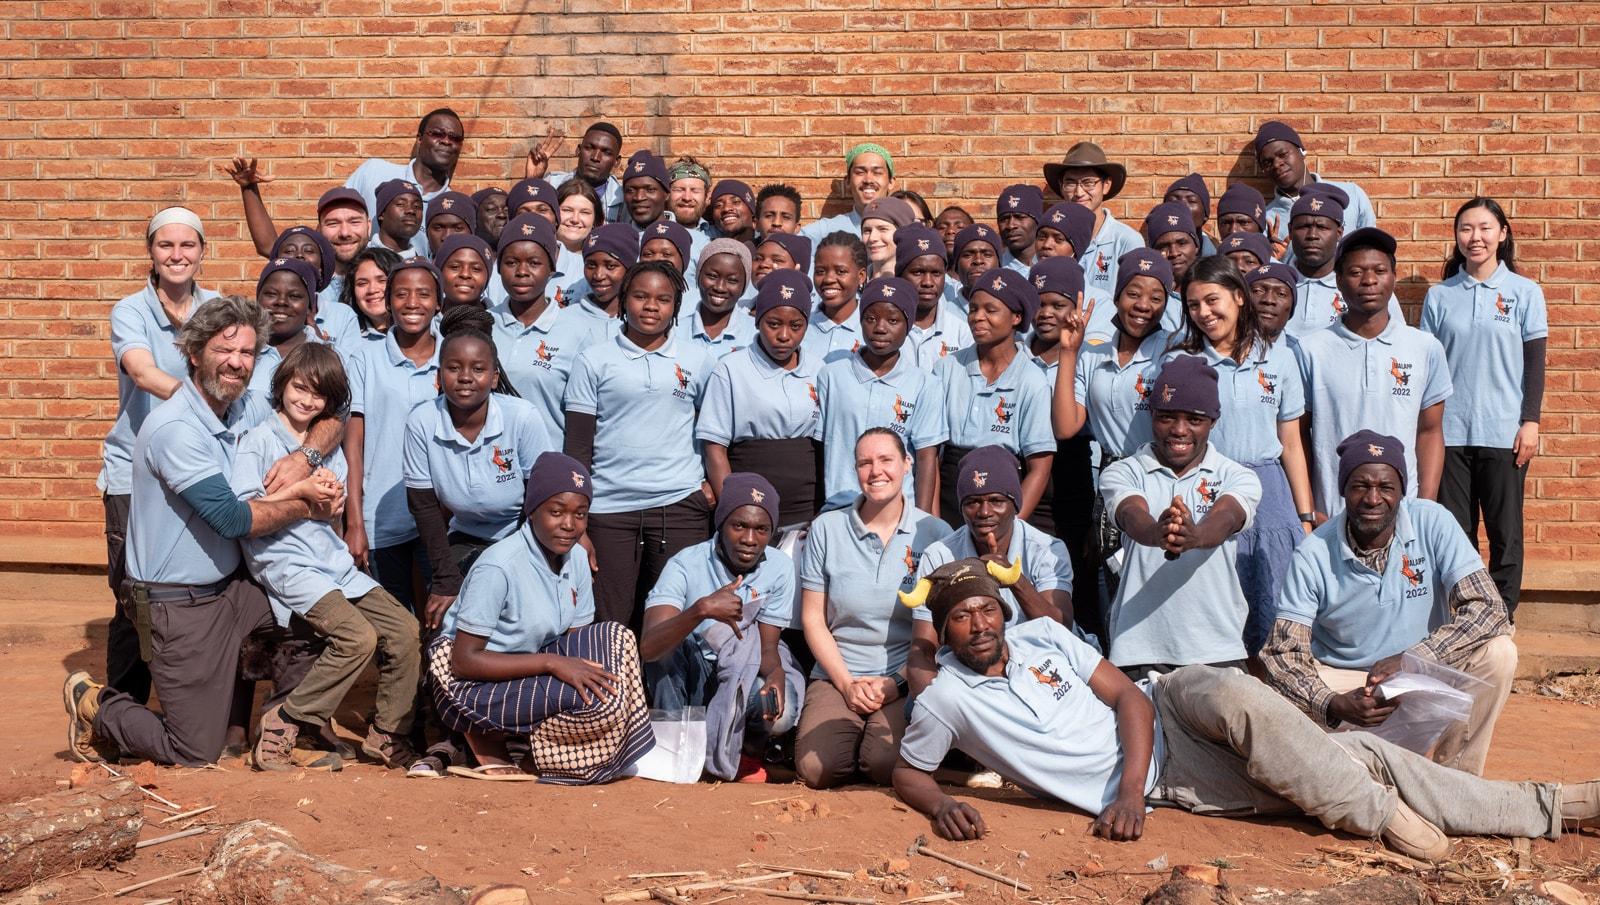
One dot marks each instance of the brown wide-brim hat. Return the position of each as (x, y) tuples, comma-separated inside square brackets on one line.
[(1089, 155)]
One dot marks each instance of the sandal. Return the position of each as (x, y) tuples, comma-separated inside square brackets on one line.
[(435, 762), (494, 773)]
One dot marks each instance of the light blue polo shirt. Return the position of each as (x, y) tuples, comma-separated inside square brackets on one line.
[(1379, 384), (511, 597), (338, 321), (1040, 725), (1318, 305), (1173, 318), (860, 575), (139, 322), (1044, 560), (751, 398), (384, 387), (1357, 213), (300, 563), (1256, 395), (480, 481), (1117, 397), (817, 230), (538, 357), (1113, 240), (1100, 329), (1013, 412), (826, 340), (907, 400), (567, 275), (610, 194), (1012, 263), (948, 335), (694, 572), (1482, 327), (182, 443), (644, 402), (1358, 617), (375, 172), (738, 333), (1191, 609)]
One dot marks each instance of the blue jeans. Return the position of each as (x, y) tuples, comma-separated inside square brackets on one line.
[(687, 677)]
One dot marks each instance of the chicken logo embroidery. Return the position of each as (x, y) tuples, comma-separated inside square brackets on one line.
[(1038, 281), (1142, 390), (1013, 201), (911, 562), (1100, 262), (1502, 306), (786, 291), (661, 228), (1051, 678), (1267, 386), (924, 244), (527, 230), (1167, 391), (1316, 204), (997, 284), (447, 203), (682, 375), (1400, 372), (639, 167), (500, 461), (1410, 571), (888, 291), (756, 496), (944, 348), (1144, 265), (901, 410), (1207, 491), (544, 352), (1339, 307), (1172, 220)]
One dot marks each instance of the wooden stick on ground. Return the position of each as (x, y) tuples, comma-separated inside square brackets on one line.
[(186, 872), (669, 873), (804, 871), (194, 813), (936, 897), (776, 800), (181, 834), (643, 895), (804, 896), (171, 804), (920, 847), (662, 895)]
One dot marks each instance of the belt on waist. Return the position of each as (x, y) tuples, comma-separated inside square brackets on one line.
[(159, 592)]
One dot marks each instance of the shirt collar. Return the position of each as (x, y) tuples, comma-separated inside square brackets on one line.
[(1148, 461), (1008, 378), (732, 331), (633, 352), (1402, 532), (1259, 348), (398, 358), (536, 553), (950, 663), (1280, 193), (1354, 341), (153, 302), (860, 527), (411, 177), (1495, 280), (493, 424), (858, 367), (216, 427)]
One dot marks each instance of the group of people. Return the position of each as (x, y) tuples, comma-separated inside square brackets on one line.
[(1121, 516)]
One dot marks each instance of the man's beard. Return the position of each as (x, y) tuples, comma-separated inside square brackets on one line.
[(221, 392), (981, 662)]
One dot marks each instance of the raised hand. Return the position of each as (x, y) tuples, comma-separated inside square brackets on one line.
[(724, 605), (245, 173), (540, 154), (1074, 325)]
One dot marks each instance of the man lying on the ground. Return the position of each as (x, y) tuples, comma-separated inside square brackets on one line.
[(1388, 575), (1045, 711)]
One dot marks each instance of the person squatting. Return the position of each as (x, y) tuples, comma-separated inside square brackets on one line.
[(1121, 516)]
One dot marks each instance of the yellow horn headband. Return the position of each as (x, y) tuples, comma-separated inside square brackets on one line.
[(918, 595), (1005, 576)]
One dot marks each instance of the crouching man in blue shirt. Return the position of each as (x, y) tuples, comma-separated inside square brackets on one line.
[(1045, 711)]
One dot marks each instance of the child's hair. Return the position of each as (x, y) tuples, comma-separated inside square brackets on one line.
[(664, 268), (779, 190), (472, 322), (321, 368), (847, 240)]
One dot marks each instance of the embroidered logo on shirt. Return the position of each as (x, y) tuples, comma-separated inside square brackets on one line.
[(544, 353), (811, 388), (682, 392), (911, 562), (1409, 568), (1002, 413), (1401, 372), (1207, 491), (1142, 390), (500, 461), (902, 409), (1339, 307), (1268, 388), (1502, 305), (1100, 262), (944, 349), (1047, 675)]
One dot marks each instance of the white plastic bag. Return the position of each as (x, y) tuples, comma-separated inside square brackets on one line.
[(680, 752), (1433, 699)]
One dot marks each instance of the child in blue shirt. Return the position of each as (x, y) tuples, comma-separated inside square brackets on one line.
[(838, 272)]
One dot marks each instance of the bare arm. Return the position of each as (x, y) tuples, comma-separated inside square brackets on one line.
[(813, 619), (1430, 451), (920, 664), (355, 528), (717, 467), (247, 175), (140, 366), (1295, 466), (926, 469), (1035, 476), (951, 819), (1123, 820)]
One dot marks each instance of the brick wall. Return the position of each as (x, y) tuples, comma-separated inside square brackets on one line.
[(114, 108)]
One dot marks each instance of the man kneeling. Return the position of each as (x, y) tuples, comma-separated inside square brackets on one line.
[(1044, 710)]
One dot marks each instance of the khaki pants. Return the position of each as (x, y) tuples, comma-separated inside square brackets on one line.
[(835, 743), (1464, 747), (354, 630)]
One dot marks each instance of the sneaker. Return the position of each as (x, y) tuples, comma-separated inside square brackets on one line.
[(393, 751), (81, 695), (274, 748), (1410, 835), (1580, 804)]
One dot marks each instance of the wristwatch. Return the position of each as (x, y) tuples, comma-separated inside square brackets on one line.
[(313, 456), (1309, 518), (901, 686)]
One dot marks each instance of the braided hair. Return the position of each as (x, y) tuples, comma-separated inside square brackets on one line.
[(472, 322)]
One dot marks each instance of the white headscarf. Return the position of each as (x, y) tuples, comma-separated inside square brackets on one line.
[(171, 215)]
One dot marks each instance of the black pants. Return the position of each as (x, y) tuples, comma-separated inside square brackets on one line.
[(631, 549), (1484, 480), (1072, 480), (126, 671), (403, 571)]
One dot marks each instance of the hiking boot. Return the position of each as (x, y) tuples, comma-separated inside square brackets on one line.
[(389, 749), (1580, 804), (81, 695), (274, 748), (1410, 835)]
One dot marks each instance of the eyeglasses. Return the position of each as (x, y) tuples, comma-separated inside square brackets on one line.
[(438, 134), (1086, 184)]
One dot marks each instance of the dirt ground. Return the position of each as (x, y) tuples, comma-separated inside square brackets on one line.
[(575, 845)]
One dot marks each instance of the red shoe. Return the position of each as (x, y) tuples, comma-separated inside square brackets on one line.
[(750, 770)]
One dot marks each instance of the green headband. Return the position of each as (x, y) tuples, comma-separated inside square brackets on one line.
[(686, 170), (868, 148)]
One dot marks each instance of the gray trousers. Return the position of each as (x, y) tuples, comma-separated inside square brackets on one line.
[(355, 630), (1236, 747), (194, 660)]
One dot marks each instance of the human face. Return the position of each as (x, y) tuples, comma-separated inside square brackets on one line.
[(880, 468), (402, 218), (439, 145), (1197, 212), (649, 305), (884, 327), (1274, 303), (1479, 235), (560, 522), (1372, 499), (525, 271), (878, 236), (644, 198), (302, 247), (597, 156), (176, 251), (533, 207), (688, 200), (604, 275), (1246, 261), (1214, 308), (1314, 239), (1018, 232), (1085, 186), (868, 179), (950, 223), (492, 217), (370, 283), (576, 221), (301, 403), (975, 258), (926, 272), (1228, 224), (223, 369), (1050, 242), (779, 215), (990, 320), (284, 297), (1283, 163), (836, 276), (662, 250), (732, 215), (975, 631), (781, 331), (347, 228), (989, 513), (770, 256), (413, 300), (443, 226), (744, 537), (466, 373), (1366, 280), (1053, 310), (1180, 438), (1140, 305), (1180, 250), (465, 277), (722, 282)]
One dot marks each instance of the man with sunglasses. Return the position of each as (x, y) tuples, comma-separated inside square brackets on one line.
[(440, 136)]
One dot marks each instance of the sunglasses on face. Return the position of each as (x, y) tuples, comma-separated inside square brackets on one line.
[(438, 134)]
